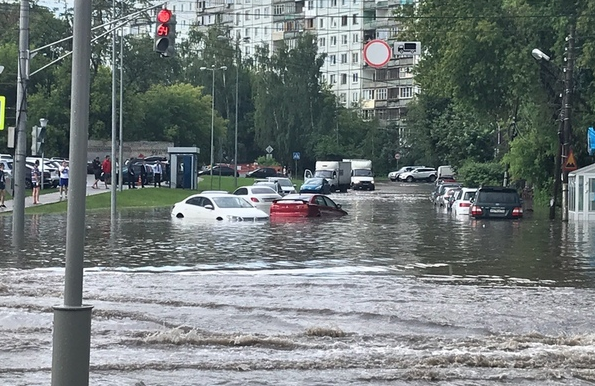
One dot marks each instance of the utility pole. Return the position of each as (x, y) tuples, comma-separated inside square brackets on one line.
[(18, 213), (235, 153), (72, 320), (113, 181), (567, 108)]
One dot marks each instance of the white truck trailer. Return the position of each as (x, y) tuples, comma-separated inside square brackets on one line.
[(362, 177), (337, 173)]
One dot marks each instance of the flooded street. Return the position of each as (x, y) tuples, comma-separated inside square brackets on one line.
[(398, 292)]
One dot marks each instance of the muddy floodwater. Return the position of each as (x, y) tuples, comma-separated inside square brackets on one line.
[(398, 292)]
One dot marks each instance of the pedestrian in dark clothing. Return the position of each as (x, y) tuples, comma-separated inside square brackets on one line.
[(143, 174), (97, 172), (131, 177)]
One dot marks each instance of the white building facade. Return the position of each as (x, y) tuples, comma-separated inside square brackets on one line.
[(342, 28)]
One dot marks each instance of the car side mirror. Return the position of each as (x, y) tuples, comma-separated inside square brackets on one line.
[(209, 206), (339, 206)]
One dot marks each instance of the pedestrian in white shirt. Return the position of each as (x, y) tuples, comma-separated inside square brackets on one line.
[(157, 172), (63, 179)]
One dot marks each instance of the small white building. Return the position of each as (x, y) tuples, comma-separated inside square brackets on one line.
[(581, 194)]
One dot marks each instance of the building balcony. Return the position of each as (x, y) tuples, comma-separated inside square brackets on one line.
[(285, 35), (378, 23), (387, 3), (369, 4)]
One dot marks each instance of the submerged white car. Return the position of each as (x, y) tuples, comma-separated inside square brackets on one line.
[(218, 207)]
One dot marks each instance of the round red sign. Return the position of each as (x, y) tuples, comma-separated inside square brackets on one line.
[(377, 53)]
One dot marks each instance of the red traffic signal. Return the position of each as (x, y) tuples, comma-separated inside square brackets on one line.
[(165, 33), (164, 16)]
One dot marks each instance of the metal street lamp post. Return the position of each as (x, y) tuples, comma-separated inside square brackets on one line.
[(213, 69), (44, 123)]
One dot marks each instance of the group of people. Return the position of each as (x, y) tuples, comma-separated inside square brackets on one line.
[(157, 169), (104, 170), (36, 181)]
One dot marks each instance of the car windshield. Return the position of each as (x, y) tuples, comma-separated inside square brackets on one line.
[(468, 196), (500, 197), (362, 173), (324, 173), (263, 190), (231, 202), (285, 182), (313, 181)]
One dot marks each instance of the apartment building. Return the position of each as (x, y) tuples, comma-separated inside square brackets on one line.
[(342, 28)]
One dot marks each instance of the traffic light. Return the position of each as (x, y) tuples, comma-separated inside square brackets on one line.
[(2, 111), (165, 33), (37, 140)]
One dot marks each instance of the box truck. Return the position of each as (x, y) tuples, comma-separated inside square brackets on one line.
[(362, 176)]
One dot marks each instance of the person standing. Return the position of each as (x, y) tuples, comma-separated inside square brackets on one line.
[(131, 177), (106, 167), (97, 172), (2, 185), (143, 174), (157, 171), (35, 179), (64, 179)]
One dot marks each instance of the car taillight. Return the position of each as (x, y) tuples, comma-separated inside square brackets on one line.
[(517, 212), (476, 211), (254, 199), (464, 205)]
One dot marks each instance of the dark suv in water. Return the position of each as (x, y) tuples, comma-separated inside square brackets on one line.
[(496, 202)]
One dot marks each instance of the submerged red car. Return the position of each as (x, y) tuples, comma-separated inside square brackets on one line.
[(305, 205)]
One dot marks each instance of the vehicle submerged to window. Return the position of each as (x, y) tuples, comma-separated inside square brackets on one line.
[(218, 207), (496, 202)]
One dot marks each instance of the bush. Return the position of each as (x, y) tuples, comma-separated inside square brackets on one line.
[(475, 174), (264, 161)]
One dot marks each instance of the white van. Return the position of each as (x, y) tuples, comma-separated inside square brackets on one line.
[(445, 171)]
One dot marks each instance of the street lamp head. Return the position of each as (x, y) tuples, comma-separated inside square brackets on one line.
[(1, 69), (223, 37), (539, 55), (43, 122), (203, 68), (224, 68)]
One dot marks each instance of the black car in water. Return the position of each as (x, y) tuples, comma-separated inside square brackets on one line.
[(496, 202)]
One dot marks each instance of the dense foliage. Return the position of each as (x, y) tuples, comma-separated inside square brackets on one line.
[(486, 106)]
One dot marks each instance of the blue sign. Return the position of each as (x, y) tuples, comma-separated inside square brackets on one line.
[(296, 155)]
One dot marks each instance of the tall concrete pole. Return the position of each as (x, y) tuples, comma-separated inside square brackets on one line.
[(121, 116), (20, 169), (567, 107), (235, 157), (114, 122), (72, 320), (212, 123)]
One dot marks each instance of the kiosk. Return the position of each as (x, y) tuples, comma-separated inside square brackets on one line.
[(183, 167)]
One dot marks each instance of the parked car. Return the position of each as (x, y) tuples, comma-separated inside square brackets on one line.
[(271, 184), (218, 207), (443, 199), (462, 202), (306, 205), (287, 186), (419, 174), (316, 185), (137, 167), (436, 195), (260, 196), (219, 170), (51, 178), (394, 176), (496, 202), (47, 178), (262, 173)]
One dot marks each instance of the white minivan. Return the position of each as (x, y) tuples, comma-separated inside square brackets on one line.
[(445, 171)]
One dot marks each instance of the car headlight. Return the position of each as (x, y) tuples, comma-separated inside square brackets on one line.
[(372, 182), (234, 218)]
